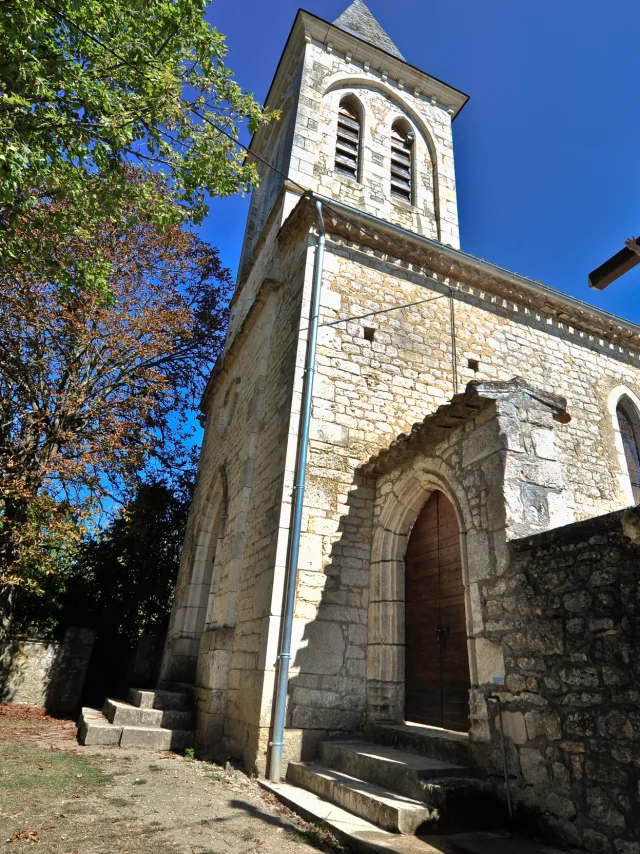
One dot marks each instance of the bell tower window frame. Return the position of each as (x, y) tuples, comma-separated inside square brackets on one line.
[(349, 139), (402, 171)]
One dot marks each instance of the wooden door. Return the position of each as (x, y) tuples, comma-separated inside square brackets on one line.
[(436, 658)]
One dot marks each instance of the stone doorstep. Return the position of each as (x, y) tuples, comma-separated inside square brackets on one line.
[(364, 837), (165, 700), (438, 743), (375, 804), (396, 770), (124, 714)]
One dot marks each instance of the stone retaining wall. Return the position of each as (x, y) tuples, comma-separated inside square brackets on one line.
[(45, 673), (567, 613)]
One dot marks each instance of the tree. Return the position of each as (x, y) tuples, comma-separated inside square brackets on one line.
[(89, 88), (96, 391), (122, 578)]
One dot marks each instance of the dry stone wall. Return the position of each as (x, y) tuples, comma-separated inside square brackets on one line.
[(567, 614), (46, 673)]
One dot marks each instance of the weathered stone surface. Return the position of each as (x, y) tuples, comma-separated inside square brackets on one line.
[(534, 767), (545, 724), (514, 727), (554, 618), (50, 674)]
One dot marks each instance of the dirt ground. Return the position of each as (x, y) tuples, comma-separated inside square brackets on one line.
[(69, 799)]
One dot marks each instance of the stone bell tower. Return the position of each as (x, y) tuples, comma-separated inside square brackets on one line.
[(359, 125), (354, 63)]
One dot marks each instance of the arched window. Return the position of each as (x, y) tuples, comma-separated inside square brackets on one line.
[(401, 161), (630, 432), (348, 142)]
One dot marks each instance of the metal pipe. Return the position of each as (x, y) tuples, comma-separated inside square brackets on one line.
[(284, 656), (504, 761), (486, 268)]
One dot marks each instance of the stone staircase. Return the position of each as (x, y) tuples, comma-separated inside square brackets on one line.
[(405, 779), (155, 720)]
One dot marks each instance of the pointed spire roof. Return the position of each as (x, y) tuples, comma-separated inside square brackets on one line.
[(359, 21)]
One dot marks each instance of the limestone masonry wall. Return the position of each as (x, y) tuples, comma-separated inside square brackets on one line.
[(326, 79), (567, 613)]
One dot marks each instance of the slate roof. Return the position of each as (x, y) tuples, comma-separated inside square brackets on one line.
[(359, 21)]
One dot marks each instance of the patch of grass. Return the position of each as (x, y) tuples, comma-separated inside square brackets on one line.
[(49, 772), (119, 802), (156, 768), (139, 781), (319, 836), (314, 834), (248, 834), (190, 753), (295, 835), (215, 776)]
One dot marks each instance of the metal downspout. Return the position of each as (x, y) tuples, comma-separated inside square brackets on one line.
[(284, 656)]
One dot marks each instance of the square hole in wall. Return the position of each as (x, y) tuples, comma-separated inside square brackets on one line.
[(369, 333), (474, 364)]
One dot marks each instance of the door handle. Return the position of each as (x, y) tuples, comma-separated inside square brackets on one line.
[(442, 632)]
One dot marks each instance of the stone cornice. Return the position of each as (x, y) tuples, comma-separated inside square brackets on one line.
[(422, 255)]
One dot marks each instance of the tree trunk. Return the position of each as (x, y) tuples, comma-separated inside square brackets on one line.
[(6, 610)]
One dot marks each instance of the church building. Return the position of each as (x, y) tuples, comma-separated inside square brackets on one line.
[(461, 417)]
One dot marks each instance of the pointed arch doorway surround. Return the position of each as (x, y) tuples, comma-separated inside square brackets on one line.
[(436, 658)]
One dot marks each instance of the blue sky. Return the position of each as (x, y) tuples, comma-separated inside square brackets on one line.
[(547, 154)]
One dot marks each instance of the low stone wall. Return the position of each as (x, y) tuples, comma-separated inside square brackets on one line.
[(44, 673), (567, 614)]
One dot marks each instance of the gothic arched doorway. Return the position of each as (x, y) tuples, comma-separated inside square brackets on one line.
[(436, 657)]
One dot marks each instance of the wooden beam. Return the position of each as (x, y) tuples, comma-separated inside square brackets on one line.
[(615, 267)]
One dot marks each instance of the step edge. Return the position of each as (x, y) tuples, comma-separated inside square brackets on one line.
[(376, 841), (392, 799), (356, 747)]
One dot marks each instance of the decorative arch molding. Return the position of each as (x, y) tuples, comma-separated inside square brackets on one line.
[(617, 395), (397, 516), (405, 110), (350, 85)]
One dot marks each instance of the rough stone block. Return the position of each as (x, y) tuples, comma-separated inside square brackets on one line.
[(514, 727)]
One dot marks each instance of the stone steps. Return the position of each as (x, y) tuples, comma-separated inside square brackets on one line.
[(156, 699), (152, 720), (124, 714), (364, 837), (426, 740), (397, 790), (398, 770), (383, 808)]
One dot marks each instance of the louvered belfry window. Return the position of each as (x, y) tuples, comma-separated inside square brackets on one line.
[(348, 144), (401, 163)]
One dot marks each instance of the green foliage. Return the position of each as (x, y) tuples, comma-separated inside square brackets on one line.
[(120, 581), (190, 754), (89, 88), (95, 393)]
